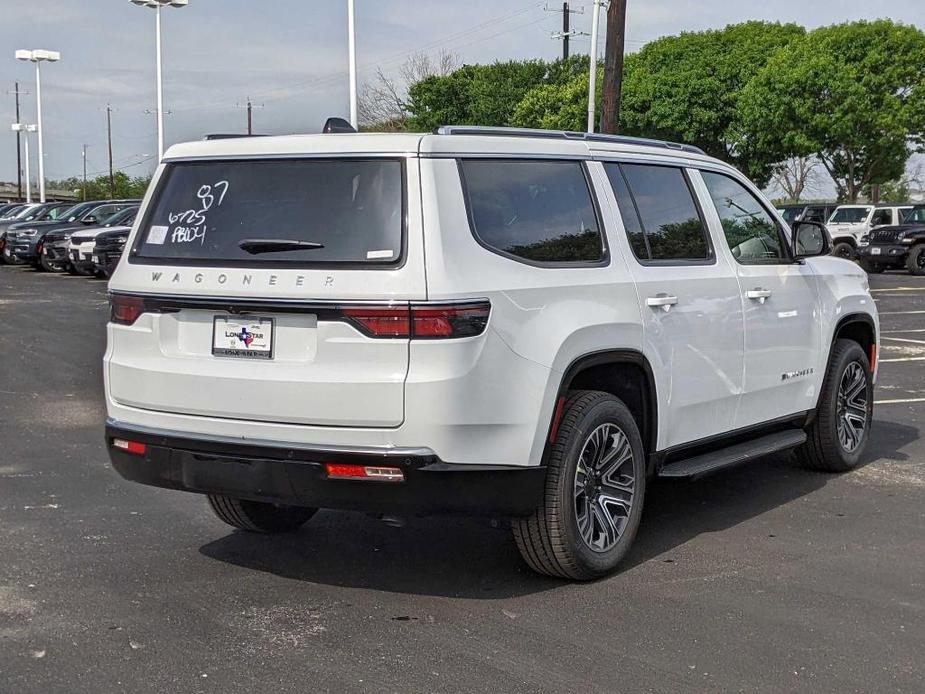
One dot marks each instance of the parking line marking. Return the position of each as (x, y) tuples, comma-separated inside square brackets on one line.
[(899, 313), (899, 289), (901, 339), (890, 361), (902, 332), (898, 402)]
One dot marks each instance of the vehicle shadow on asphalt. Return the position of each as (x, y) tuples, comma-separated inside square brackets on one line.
[(462, 558)]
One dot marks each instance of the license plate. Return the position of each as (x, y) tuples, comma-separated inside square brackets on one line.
[(244, 337), (875, 251)]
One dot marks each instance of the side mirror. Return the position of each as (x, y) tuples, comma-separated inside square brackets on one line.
[(810, 239)]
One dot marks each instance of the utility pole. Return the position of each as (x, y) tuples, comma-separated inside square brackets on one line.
[(613, 66), (250, 106), (112, 178), (18, 144), (566, 32), (84, 191), (592, 79)]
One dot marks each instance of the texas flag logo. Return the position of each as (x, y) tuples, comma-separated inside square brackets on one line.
[(245, 337)]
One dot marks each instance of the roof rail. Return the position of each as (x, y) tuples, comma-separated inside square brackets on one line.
[(228, 136), (563, 135)]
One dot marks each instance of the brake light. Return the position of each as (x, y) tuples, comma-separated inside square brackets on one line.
[(376, 473), (381, 322), (124, 309), (422, 321), (133, 447)]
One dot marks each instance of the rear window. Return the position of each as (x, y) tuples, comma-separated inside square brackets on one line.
[(296, 212), (538, 211)]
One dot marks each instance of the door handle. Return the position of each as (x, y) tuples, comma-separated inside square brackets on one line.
[(662, 301), (758, 294)]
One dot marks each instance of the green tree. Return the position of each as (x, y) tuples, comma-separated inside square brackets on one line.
[(484, 94), (99, 188), (687, 88), (557, 106), (851, 94)]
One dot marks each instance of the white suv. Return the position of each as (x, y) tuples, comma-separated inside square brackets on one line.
[(523, 324), (850, 225)]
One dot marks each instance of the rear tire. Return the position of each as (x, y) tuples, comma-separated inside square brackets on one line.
[(838, 436), (915, 263), (843, 249), (871, 268), (259, 517), (595, 487)]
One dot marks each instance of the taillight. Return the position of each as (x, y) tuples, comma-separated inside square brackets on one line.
[(133, 447), (422, 321), (124, 309)]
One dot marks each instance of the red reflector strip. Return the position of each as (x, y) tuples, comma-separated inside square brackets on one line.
[(382, 322), (364, 472), (133, 447), (556, 420), (873, 357)]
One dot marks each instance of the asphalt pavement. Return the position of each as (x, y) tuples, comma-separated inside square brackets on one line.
[(764, 578)]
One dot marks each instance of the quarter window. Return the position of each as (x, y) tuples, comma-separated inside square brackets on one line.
[(752, 234), (540, 211), (659, 213)]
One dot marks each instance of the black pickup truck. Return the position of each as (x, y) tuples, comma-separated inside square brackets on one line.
[(896, 247)]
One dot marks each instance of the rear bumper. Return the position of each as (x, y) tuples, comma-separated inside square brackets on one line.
[(889, 255), (296, 475)]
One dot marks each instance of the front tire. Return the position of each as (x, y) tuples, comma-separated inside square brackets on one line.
[(838, 436), (48, 266), (595, 487), (915, 263), (258, 516), (843, 249)]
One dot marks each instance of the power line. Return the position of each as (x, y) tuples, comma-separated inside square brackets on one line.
[(567, 32)]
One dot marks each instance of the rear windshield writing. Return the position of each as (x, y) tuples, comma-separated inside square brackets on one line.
[(297, 212)]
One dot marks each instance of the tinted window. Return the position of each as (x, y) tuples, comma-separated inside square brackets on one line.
[(881, 217), (661, 219), (339, 210), (790, 214), (813, 214), (915, 216), (537, 210), (850, 215), (751, 232)]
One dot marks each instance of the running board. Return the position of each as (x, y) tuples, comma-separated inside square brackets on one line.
[(701, 465)]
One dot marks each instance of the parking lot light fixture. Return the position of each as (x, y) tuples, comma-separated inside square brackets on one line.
[(156, 5), (26, 129), (38, 56)]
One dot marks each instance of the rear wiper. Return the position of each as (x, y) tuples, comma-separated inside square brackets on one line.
[(257, 246)]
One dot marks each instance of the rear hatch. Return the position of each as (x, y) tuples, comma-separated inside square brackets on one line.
[(251, 280)]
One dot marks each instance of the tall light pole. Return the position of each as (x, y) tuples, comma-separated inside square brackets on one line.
[(22, 128), (592, 80), (352, 59), (157, 5), (37, 56)]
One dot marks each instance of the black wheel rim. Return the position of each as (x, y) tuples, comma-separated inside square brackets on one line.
[(605, 483), (852, 411), (920, 261), (843, 252)]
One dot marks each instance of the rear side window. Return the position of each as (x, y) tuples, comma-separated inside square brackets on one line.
[(289, 212), (538, 211), (661, 218)]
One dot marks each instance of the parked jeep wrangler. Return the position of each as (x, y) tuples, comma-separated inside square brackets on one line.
[(896, 247), (523, 324)]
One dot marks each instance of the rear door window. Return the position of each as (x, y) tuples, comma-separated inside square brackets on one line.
[(662, 220), (290, 212), (537, 211)]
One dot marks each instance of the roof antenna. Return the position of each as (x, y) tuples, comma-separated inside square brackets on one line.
[(337, 125)]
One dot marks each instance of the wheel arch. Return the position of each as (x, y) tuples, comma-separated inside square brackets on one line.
[(624, 373), (861, 328)]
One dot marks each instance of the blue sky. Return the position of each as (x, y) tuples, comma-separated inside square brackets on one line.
[(290, 56)]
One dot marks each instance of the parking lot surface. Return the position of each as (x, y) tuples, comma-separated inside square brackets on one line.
[(761, 578)]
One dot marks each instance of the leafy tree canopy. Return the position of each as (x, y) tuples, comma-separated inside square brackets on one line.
[(851, 94), (99, 189)]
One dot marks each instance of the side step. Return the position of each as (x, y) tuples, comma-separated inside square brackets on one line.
[(701, 465)]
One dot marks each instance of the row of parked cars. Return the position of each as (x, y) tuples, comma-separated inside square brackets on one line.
[(86, 238), (879, 237)]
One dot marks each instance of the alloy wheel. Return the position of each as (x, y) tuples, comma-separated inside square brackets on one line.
[(605, 482), (852, 407)]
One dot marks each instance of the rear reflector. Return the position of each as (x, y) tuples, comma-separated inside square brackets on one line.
[(341, 471), (125, 309), (133, 447), (873, 357), (422, 321)]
